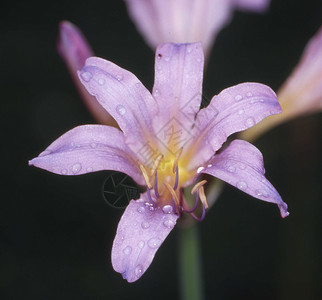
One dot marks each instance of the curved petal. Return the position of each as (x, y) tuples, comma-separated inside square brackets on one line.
[(241, 165), (74, 49), (140, 232), (86, 149), (123, 96), (234, 109), (178, 84), (301, 94)]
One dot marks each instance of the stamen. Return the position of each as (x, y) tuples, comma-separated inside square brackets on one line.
[(146, 177), (156, 185), (149, 195), (195, 205), (202, 215), (203, 197), (176, 159), (156, 164), (173, 194), (198, 186), (177, 178)]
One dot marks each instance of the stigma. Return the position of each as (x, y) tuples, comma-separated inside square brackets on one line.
[(164, 185)]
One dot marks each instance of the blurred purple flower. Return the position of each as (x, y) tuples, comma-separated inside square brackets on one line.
[(186, 21), (166, 141), (301, 94)]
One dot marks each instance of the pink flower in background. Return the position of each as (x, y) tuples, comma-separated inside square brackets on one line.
[(186, 21), (301, 94), (165, 143)]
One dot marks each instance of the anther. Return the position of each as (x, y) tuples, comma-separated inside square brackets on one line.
[(198, 186), (173, 194), (177, 179), (176, 159), (203, 197), (157, 164), (146, 177)]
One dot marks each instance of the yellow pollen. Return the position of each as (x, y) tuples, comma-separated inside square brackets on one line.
[(173, 193), (156, 164), (198, 186), (176, 159), (203, 196), (146, 177)]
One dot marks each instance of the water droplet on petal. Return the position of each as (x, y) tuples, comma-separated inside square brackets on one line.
[(168, 223), (242, 185), (249, 94), (101, 81), (93, 145), (238, 97), (209, 166), (119, 77), (199, 169), (89, 169), (189, 49), (86, 76), (141, 244), (127, 250), (159, 68), (145, 225), (141, 209), (231, 169), (167, 209), (198, 59), (156, 93), (250, 122), (120, 109), (241, 111), (154, 243), (63, 172), (76, 168), (138, 270), (167, 58)]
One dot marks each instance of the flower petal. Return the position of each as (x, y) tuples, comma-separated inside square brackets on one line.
[(178, 83), (241, 165), (89, 148), (301, 94), (141, 231), (234, 109), (252, 5), (74, 49), (123, 96)]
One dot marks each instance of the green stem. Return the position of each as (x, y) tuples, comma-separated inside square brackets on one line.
[(191, 283)]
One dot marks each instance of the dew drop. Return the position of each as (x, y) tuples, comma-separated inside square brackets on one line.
[(127, 250), (167, 58), (86, 76), (249, 94), (154, 243), (198, 59), (120, 109), (242, 185), (101, 81), (168, 223), (141, 209), (119, 77), (189, 49), (141, 244), (238, 97), (250, 122), (145, 225), (89, 169), (138, 270), (231, 169), (209, 166), (159, 68), (76, 168), (63, 172), (241, 111), (93, 145), (199, 169), (156, 93), (167, 209)]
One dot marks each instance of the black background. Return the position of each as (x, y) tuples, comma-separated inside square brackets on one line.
[(57, 231)]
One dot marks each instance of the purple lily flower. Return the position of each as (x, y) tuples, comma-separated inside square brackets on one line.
[(165, 143), (186, 21)]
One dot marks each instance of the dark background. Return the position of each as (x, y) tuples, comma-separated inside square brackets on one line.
[(57, 231)]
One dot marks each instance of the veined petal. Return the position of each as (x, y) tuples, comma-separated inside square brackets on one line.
[(241, 165), (123, 96), (252, 5), (301, 94), (178, 83), (74, 49), (234, 109), (140, 232), (89, 148)]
